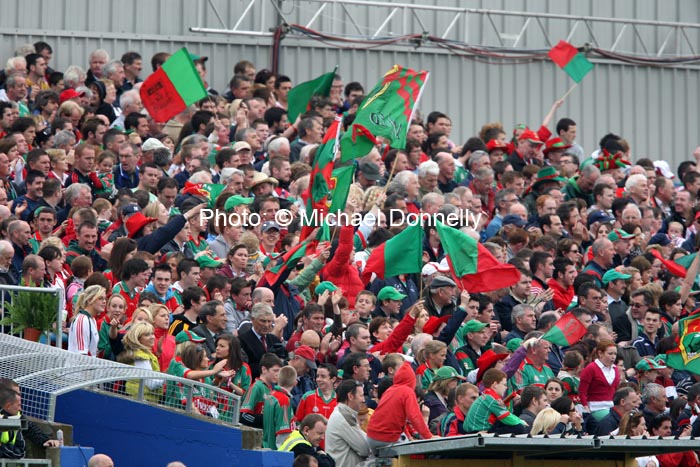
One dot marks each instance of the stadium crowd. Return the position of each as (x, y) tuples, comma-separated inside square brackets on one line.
[(101, 201)]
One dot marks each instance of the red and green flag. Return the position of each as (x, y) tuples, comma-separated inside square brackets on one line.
[(566, 331), (208, 191), (472, 264), (687, 355), (172, 88), (316, 196), (289, 260), (387, 112), (300, 95), (341, 179), (401, 254), (675, 268), (569, 59)]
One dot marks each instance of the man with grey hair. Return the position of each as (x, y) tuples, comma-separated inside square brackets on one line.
[(130, 102), (581, 187), (114, 70), (310, 132), (19, 233), (432, 202), (524, 321), (278, 147), (73, 77), (477, 160), (96, 60), (603, 255), (637, 188), (259, 339), (482, 186), (428, 173), (534, 369), (504, 199), (65, 140), (7, 252), (76, 195), (16, 91), (654, 399)]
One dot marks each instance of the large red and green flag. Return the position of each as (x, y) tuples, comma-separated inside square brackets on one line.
[(387, 112), (675, 268), (316, 196), (341, 179), (569, 59), (208, 191), (687, 355), (289, 260), (401, 254), (566, 331), (300, 95), (172, 88), (472, 264)]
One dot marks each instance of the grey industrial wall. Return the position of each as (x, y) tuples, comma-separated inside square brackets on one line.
[(655, 108)]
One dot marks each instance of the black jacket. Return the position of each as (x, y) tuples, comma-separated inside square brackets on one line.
[(255, 350)]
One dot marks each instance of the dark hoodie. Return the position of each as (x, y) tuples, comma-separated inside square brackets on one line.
[(103, 108), (398, 406)]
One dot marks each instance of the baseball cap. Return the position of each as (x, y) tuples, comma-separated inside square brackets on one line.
[(495, 144), (446, 372), (613, 275), (390, 293), (236, 200), (269, 225), (325, 285), (649, 364), (241, 145), (474, 326), (130, 209), (188, 336), (432, 268), (531, 136), (513, 219), (151, 144), (619, 234), (307, 353), (599, 216), (433, 324), (514, 344), (68, 94)]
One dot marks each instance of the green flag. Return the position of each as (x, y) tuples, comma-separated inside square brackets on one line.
[(401, 254), (687, 355), (341, 179), (387, 111), (301, 94)]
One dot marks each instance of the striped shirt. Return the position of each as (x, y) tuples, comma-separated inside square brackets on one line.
[(83, 336)]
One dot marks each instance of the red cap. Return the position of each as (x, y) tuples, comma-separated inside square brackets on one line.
[(555, 144), (137, 222), (531, 136), (306, 352), (68, 94), (496, 144), (434, 323), (487, 360)]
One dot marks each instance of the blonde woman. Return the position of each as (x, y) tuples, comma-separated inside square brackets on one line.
[(59, 164), (158, 211), (433, 357), (546, 421), (138, 344), (164, 345), (83, 336)]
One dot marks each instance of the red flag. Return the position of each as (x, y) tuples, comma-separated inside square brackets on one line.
[(566, 331)]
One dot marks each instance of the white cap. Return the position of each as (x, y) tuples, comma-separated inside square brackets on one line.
[(433, 268), (151, 144)]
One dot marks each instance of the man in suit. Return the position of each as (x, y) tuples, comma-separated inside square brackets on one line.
[(213, 322), (259, 339)]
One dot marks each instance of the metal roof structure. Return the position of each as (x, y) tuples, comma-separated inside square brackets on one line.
[(44, 373), (483, 446)]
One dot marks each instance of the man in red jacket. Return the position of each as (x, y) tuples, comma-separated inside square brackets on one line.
[(562, 283)]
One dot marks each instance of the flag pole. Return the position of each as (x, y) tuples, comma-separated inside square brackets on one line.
[(391, 174), (571, 89)]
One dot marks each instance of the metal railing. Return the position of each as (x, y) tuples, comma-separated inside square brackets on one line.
[(8, 293), (24, 462), (44, 373)]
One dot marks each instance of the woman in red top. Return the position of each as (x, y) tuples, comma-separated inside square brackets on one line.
[(164, 346), (599, 380)]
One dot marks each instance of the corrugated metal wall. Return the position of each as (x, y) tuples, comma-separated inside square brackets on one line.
[(654, 108)]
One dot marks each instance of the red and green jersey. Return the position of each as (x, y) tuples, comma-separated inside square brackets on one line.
[(529, 374), (486, 410), (571, 384), (278, 417), (196, 245), (426, 375), (314, 402), (242, 379), (254, 399)]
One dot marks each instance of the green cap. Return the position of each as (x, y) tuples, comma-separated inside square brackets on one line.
[(446, 372), (325, 285), (206, 261), (390, 293), (649, 364), (236, 200), (613, 275), (619, 234), (188, 336), (474, 326), (513, 344)]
